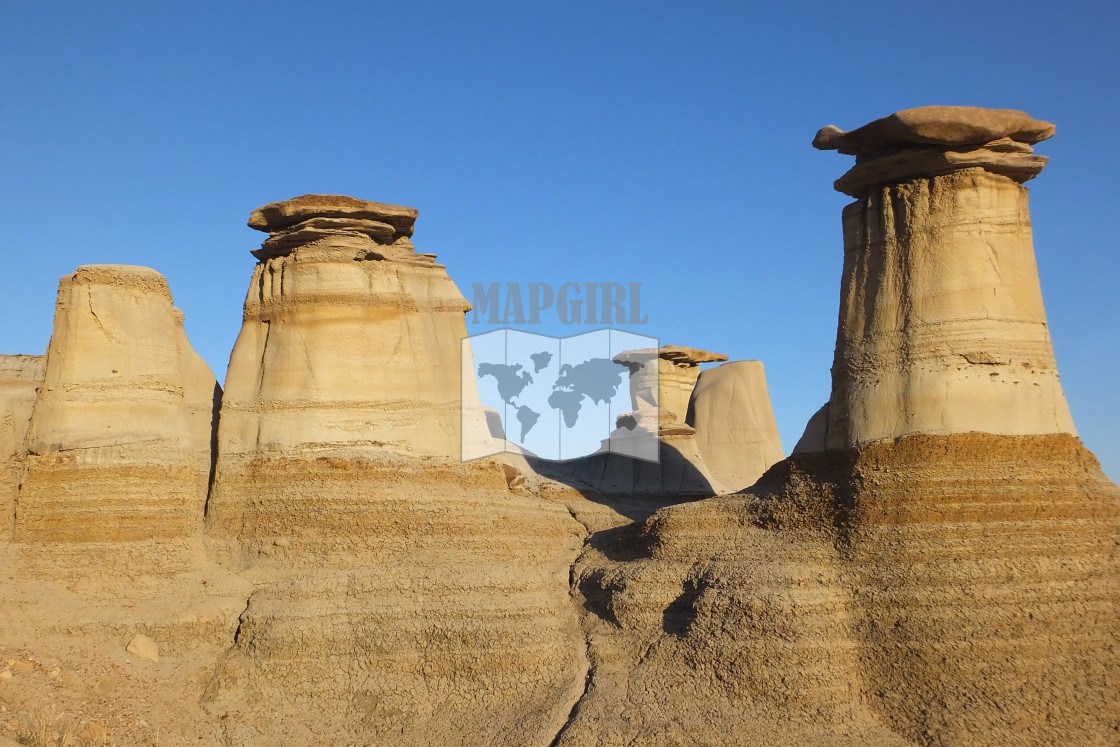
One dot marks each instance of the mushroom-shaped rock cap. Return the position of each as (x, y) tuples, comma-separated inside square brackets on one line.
[(684, 356), (277, 216), (946, 126), (677, 354)]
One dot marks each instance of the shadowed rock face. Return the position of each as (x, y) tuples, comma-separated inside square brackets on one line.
[(119, 443), (716, 429)]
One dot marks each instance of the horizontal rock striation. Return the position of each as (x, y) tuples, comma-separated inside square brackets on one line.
[(937, 563), (983, 571), (942, 327), (20, 379), (402, 602), (119, 443), (401, 596)]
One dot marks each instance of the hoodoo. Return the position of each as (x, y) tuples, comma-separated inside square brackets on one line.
[(937, 562), (942, 328), (119, 443), (339, 487)]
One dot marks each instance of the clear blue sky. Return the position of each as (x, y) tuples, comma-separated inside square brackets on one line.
[(629, 142)]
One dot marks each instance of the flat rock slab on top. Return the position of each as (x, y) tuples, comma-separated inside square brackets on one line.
[(277, 216), (946, 126), (685, 356)]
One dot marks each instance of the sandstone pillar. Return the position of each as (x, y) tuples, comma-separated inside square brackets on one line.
[(119, 443), (339, 488), (349, 348), (736, 432), (942, 328)]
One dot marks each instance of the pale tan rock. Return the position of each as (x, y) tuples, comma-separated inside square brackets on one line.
[(20, 379), (736, 433), (402, 597), (143, 647), (348, 343), (886, 586), (119, 442), (942, 327), (678, 370)]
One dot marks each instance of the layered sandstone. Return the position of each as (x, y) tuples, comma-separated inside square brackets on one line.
[(916, 574), (937, 564), (119, 444), (20, 379), (942, 328), (401, 596)]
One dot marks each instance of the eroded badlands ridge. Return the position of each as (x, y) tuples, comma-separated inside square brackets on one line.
[(936, 565)]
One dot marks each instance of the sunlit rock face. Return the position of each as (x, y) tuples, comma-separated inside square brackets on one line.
[(942, 328), (350, 338), (937, 562), (119, 444), (350, 348), (402, 597), (736, 432), (20, 379)]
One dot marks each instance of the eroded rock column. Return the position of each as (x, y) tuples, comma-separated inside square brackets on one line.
[(120, 441), (402, 596), (942, 328)]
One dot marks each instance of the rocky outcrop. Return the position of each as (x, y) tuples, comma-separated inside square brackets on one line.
[(715, 429), (119, 443), (661, 383), (937, 564), (736, 433), (20, 379), (942, 328), (401, 596), (350, 341)]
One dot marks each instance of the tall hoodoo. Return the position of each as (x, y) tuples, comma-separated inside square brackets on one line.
[(349, 336), (339, 487), (119, 442), (938, 558), (942, 328)]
